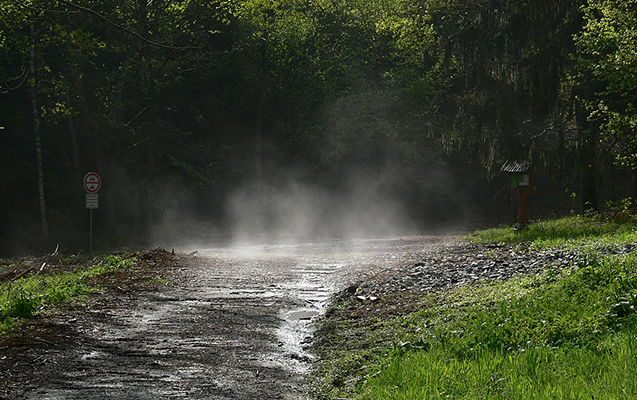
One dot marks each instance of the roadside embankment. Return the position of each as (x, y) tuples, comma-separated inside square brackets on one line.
[(547, 312), (29, 286)]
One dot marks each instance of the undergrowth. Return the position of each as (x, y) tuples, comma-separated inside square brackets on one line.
[(570, 231), (21, 299), (535, 338), (560, 334)]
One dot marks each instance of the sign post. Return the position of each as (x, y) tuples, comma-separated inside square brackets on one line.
[(521, 181), (92, 185)]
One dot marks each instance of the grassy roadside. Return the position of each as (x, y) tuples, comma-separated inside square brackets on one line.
[(23, 297), (572, 231), (562, 334)]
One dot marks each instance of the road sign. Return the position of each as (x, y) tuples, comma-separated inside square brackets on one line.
[(92, 201), (92, 182)]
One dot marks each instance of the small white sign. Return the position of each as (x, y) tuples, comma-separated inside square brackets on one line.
[(92, 201)]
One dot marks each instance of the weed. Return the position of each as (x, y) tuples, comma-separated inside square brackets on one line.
[(21, 299), (568, 333), (22, 305), (570, 231), (531, 342)]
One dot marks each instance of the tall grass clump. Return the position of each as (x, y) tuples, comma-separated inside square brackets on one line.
[(569, 334), (21, 299)]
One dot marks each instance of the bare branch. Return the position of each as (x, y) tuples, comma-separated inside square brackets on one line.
[(130, 32), (24, 74)]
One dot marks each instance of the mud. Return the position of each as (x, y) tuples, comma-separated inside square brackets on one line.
[(231, 324)]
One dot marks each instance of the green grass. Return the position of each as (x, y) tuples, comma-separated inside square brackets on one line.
[(571, 335), (562, 334), (21, 299), (570, 231), (536, 373)]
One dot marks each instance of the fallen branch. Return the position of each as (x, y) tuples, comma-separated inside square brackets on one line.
[(23, 273)]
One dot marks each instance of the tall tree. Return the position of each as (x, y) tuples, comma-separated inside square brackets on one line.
[(510, 65), (608, 57), (23, 42), (35, 110)]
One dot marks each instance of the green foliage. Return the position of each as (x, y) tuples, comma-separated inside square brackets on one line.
[(531, 337), (572, 308), (563, 333), (535, 373), (572, 231), (23, 298), (608, 45), (507, 63), (172, 91), (22, 306)]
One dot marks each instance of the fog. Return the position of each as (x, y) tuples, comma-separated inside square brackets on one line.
[(368, 172), (291, 211), (370, 183), (288, 207)]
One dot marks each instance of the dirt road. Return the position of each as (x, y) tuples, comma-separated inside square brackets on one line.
[(233, 324)]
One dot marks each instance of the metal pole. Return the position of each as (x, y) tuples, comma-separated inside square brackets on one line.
[(90, 246)]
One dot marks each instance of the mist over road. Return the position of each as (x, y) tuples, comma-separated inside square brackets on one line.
[(235, 324)]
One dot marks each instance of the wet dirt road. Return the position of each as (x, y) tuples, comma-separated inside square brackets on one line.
[(234, 325)]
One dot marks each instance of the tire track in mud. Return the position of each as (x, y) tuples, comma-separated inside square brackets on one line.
[(234, 326)]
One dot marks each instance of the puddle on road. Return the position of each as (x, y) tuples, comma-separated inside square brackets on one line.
[(302, 315), (311, 290)]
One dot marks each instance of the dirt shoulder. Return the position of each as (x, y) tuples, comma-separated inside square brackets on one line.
[(201, 327), (38, 348)]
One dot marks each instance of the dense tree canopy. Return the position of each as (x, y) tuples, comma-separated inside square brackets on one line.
[(180, 103), (608, 44)]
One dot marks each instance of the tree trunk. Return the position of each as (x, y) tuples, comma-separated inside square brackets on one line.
[(154, 127), (589, 176), (633, 189), (36, 131), (144, 59), (75, 170), (587, 159), (261, 101)]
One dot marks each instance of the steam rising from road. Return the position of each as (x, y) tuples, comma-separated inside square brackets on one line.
[(376, 186), (293, 210), (290, 211)]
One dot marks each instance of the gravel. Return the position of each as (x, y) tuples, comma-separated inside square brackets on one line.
[(466, 263)]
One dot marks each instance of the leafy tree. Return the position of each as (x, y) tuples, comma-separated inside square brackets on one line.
[(510, 92), (608, 56)]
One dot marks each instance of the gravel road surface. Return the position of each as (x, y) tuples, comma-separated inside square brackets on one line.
[(231, 324)]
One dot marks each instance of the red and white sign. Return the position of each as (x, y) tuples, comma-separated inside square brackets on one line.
[(92, 182)]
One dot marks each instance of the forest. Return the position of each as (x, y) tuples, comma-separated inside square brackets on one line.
[(208, 117)]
